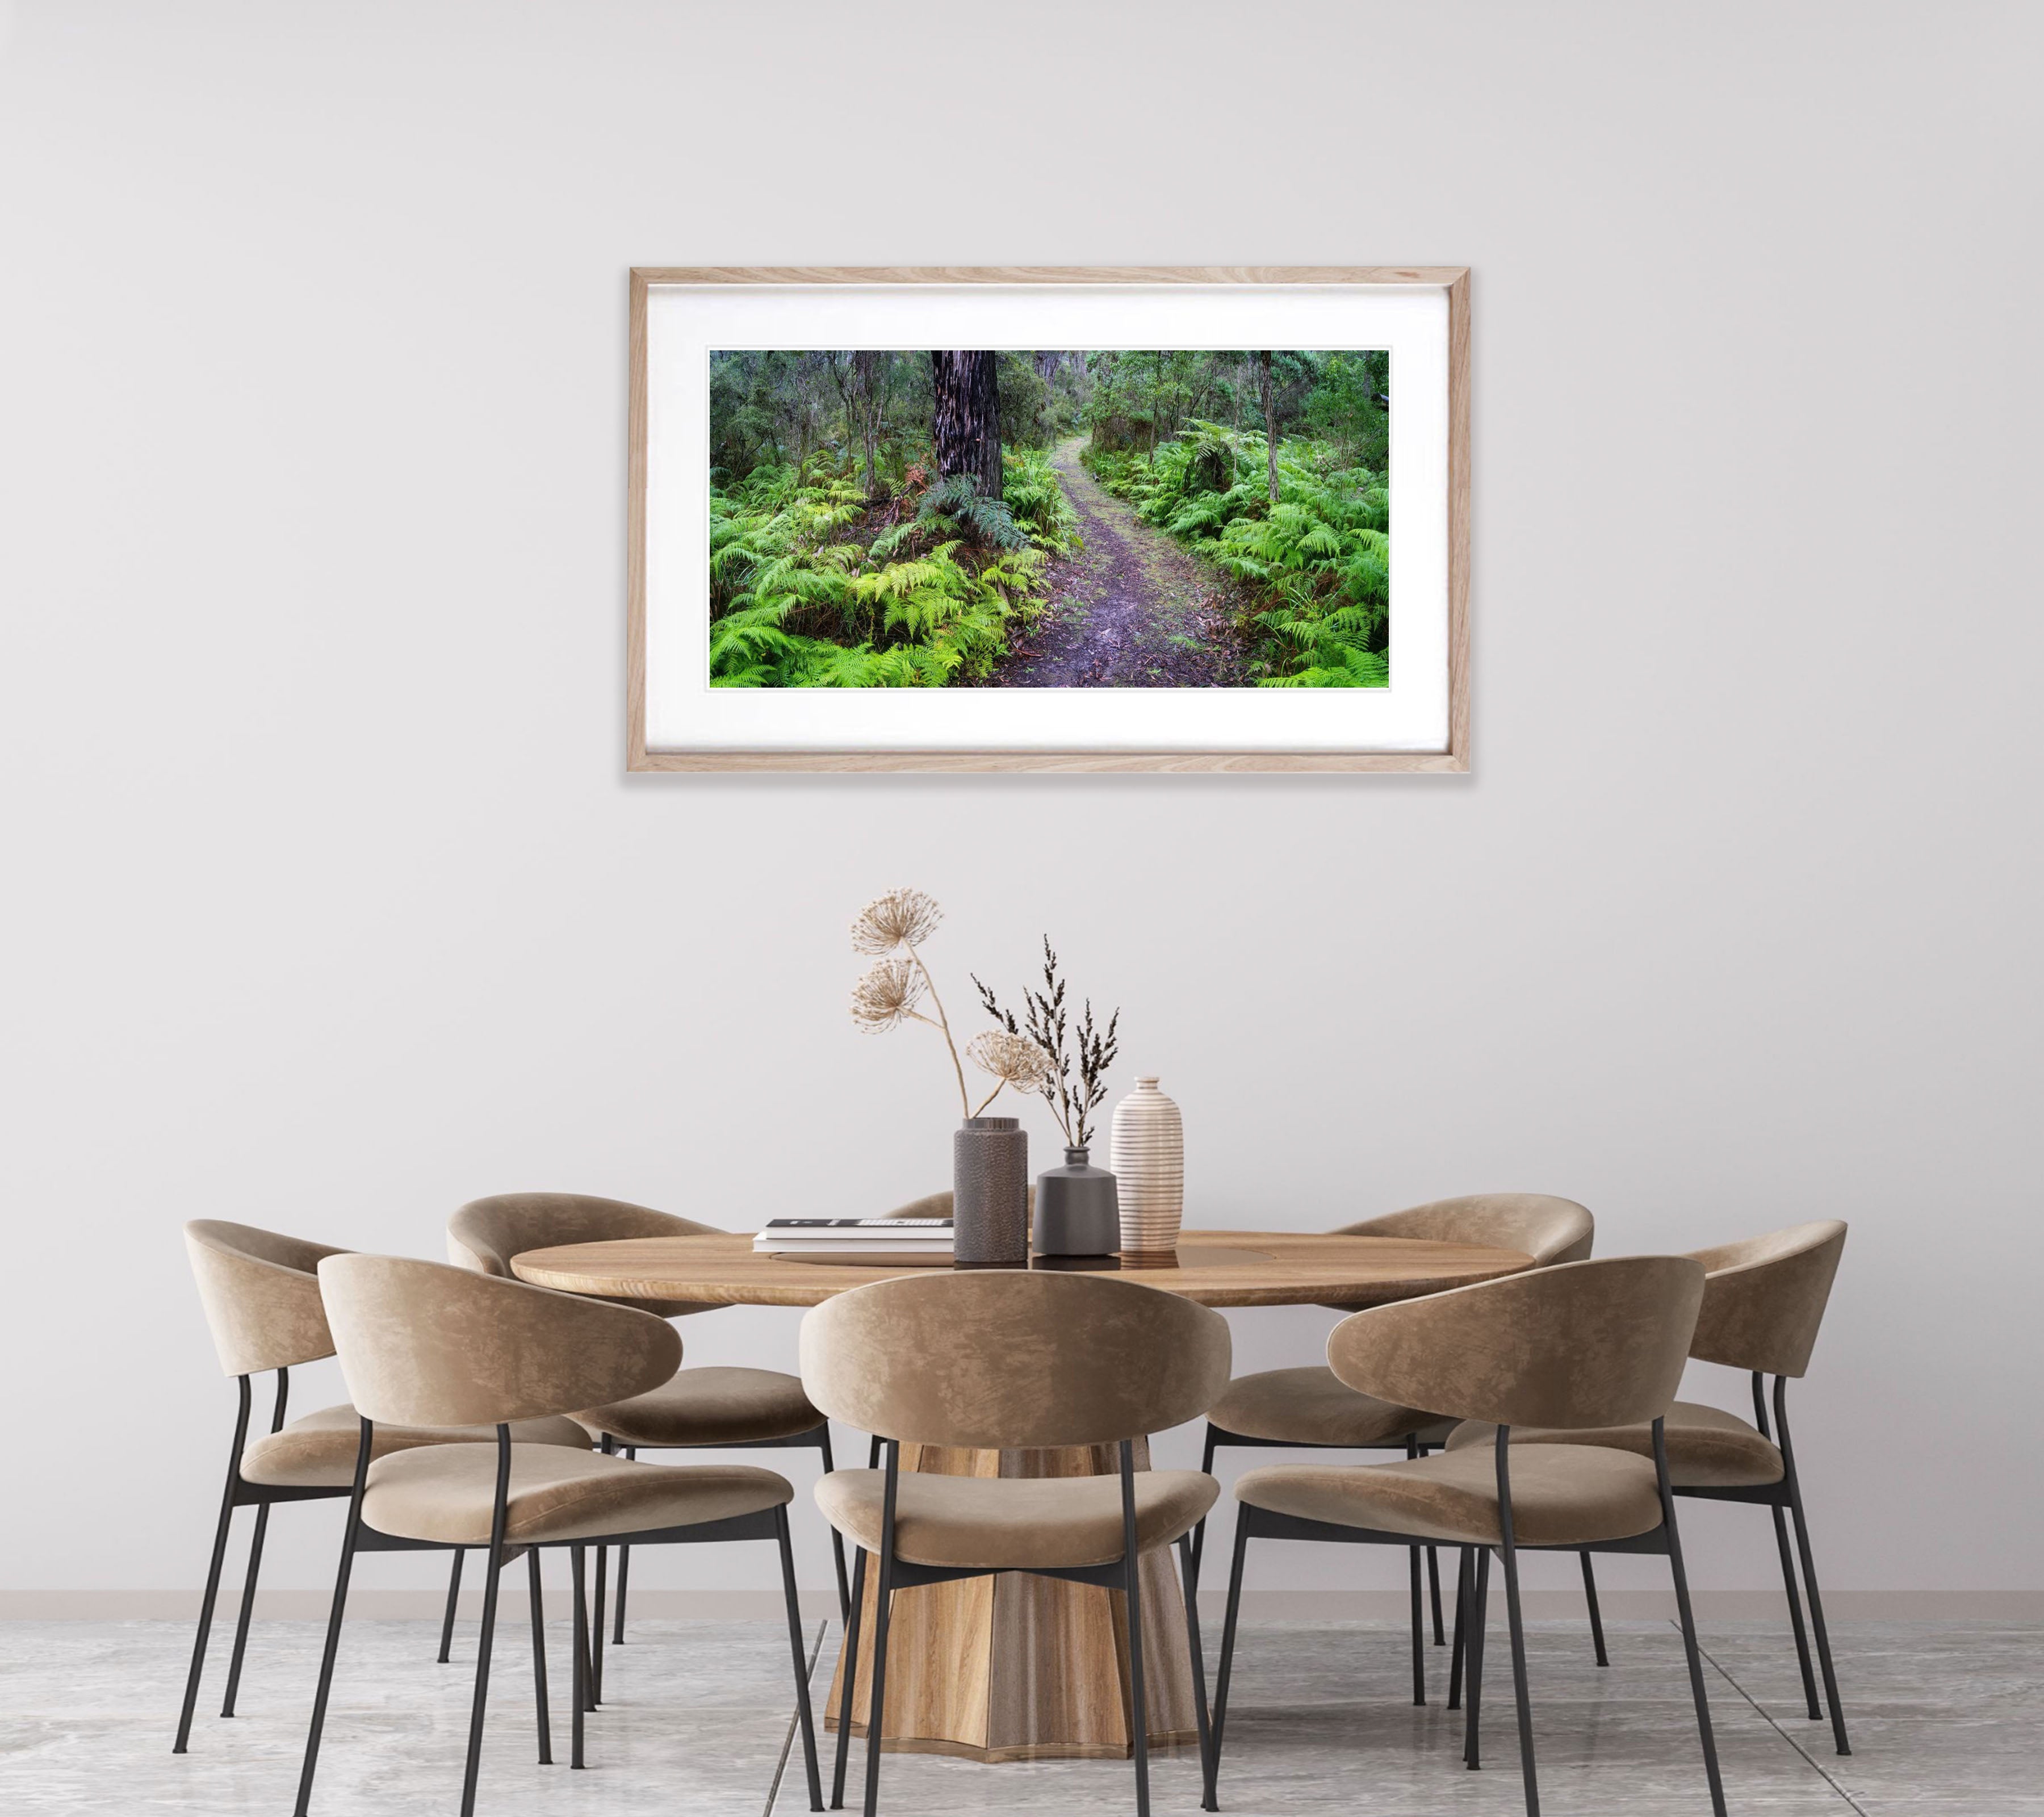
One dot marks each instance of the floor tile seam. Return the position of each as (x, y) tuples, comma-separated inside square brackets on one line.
[(1816, 1766), (794, 1722)]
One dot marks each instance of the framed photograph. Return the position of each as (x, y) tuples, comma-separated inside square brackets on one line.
[(1182, 518)]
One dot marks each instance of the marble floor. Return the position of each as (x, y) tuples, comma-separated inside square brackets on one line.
[(1945, 1719)]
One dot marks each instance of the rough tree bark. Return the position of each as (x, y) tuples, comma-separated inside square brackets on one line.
[(1270, 417), (968, 418)]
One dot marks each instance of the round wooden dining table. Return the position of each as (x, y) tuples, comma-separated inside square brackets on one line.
[(1015, 1667)]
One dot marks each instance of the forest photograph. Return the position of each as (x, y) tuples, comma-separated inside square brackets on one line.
[(1101, 519)]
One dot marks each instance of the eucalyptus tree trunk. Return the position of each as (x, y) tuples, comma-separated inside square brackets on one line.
[(968, 418), (1156, 408), (1269, 418)]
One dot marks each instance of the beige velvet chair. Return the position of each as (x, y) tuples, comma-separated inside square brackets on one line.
[(1312, 1408), (1575, 1347), (698, 1409), (261, 1301), (939, 1206), (421, 1343), (1764, 1300), (996, 1360)]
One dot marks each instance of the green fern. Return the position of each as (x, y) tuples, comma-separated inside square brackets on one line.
[(1315, 563), (956, 503)]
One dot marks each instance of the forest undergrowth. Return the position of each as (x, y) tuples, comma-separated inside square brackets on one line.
[(1314, 566), (812, 586)]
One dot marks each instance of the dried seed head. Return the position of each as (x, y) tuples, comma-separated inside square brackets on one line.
[(1014, 1059), (900, 918), (887, 996)]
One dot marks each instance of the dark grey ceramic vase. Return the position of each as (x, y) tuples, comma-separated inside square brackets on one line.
[(1077, 1210), (990, 1193)]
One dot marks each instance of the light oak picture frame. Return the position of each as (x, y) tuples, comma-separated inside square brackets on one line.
[(1450, 756)]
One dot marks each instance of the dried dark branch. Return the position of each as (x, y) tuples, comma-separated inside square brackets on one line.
[(1048, 1022)]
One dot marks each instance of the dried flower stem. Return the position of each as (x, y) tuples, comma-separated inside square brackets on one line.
[(943, 1025)]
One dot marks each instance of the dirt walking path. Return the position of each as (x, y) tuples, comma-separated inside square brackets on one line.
[(1135, 610)]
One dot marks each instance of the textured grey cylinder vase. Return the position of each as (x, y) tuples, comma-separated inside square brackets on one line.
[(1076, 1213), (990, 1193)]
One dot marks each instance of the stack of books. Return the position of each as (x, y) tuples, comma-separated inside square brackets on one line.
[(926, 1240)]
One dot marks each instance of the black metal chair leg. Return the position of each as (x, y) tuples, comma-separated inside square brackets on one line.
[(1138, 1697), (1688, 1619), (804, 1716), (1521, 1692), (608, 1446), (1817, 1622), (535, 1596), (1194, 1650), (1814, 1709), (1463, 1592), (1597, 1615), (348, 1543), (580, 1716), (623, 1574), (212, 1595), (592, 1641), (1211, 1801), (1198, 1550), (453, 1599), (1419, 1631), (876, 1708), (848, 1671), (1414, 1450), (1433, 1593), (1131, 1579), (246, 1610), (596, 1627), (1473, 1663), (472, 1769), (837, 1538), (325, 1684), (1810, 1704)]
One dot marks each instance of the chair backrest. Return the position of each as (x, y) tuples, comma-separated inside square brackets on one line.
[(423, 1343), (995, 1359), (1765, 1297), (939, 1206), (1549, 1230), (485, 1234), (261, 1295), (1580, 1344)]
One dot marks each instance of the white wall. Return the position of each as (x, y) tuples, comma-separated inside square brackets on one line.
[(330, 904)]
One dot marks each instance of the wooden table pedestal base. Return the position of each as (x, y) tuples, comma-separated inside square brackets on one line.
[(1020, 1668)]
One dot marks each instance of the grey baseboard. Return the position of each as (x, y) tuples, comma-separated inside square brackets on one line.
[(1256, 1605)]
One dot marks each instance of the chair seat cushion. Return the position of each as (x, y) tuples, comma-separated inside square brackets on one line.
[(1014, 1523), (709, 1407), (446, 1493), (1707, 1447), (1311, 1406), (318, 1451), (1562, 1494)]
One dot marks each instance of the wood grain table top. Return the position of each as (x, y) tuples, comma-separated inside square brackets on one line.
[(1216, 1268)]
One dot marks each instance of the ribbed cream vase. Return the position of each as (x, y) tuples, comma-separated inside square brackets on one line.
[(1149, 1170)]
